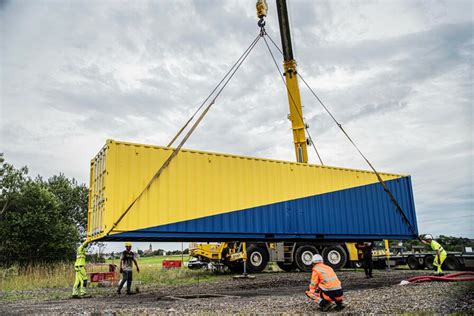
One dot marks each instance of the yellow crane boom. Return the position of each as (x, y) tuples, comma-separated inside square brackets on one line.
[(291, 78)]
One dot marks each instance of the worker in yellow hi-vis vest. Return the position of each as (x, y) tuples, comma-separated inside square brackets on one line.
[(79, 289), (440, 252)]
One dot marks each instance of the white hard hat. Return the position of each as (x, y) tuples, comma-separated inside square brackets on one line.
[(317, 258), (428, 237)]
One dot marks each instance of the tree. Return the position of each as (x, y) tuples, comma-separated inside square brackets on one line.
[(73, 200), (11, 183), (450, 243), (32, 229), (39, 221)]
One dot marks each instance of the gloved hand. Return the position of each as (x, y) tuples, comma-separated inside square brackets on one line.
[(121, 270), (138, 269), (310, 294)]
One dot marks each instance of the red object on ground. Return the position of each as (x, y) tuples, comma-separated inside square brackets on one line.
[(171, 264), (446, 278), (102, 276)]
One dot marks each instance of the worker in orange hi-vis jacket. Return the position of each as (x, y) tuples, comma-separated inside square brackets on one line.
[(325, 287)]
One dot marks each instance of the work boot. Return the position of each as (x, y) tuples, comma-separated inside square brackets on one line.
[(119, 291), (340, 305), (75, 296), (325, 307)]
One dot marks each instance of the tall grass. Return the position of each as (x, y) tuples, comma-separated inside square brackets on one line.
[(62, 275), (36, 276)]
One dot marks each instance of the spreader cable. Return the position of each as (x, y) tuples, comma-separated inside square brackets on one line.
[(384, 185), (232, 72)]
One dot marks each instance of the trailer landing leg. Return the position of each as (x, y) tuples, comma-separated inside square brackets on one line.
[(244, 275)]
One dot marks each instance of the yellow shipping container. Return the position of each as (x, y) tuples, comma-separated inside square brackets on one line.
[(211, 196)]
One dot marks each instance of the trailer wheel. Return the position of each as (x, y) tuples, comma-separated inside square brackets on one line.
[(257, 258), (413, 263), (303, 257), (451, 263), (429, 262), (287, 267), (335, 257)]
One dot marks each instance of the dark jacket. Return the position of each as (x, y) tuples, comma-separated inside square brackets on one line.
[(366, 249)]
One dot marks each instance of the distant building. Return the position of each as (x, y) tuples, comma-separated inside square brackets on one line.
[(148, 251)]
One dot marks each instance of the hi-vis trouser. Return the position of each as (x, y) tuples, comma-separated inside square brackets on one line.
[(322, 297), (81, 277), (438, 261)]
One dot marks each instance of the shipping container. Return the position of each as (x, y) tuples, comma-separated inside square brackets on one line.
[(204, 196)]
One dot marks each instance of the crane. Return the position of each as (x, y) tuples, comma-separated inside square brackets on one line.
[(234, 252), (289, 65)]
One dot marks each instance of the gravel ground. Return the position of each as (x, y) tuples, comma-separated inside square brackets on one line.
[(267, 293)]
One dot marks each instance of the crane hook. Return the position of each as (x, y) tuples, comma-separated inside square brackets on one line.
[(261, 22)]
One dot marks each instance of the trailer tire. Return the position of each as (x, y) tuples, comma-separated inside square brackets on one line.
[(429, 262), (257, 258), (451, 263), (303, 256), (335, 257), (287, 267), (413, 263)]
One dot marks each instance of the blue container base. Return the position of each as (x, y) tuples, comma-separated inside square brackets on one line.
[(359, 213)]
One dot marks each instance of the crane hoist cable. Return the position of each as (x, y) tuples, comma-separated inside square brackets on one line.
[(291, 96), (229, 76), (379, 178)]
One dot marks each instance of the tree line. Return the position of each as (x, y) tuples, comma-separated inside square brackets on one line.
[(40, 220)]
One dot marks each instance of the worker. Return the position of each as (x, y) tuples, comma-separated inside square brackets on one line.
[(79, 290), (325, 287), (367, 263), (127, 258), (440, 252)]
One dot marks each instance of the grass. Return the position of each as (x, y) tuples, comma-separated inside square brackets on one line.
[(155, 260), (36, 276), (61, 276)]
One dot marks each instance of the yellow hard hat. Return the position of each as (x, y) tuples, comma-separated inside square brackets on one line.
[(128, 244)]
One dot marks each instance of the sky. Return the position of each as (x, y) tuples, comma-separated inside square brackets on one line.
[(398, 75)]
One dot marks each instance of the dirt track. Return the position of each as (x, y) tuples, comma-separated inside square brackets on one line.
[(267, 293)]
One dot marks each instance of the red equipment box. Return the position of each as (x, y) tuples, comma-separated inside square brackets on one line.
[(101, 277), (171, 264)]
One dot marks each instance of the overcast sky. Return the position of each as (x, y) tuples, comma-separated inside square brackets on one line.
[(397, 74)]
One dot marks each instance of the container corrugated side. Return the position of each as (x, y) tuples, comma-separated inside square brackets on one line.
[(208, 196)]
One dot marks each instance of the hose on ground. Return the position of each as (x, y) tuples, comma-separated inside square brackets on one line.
[(447, 278)]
